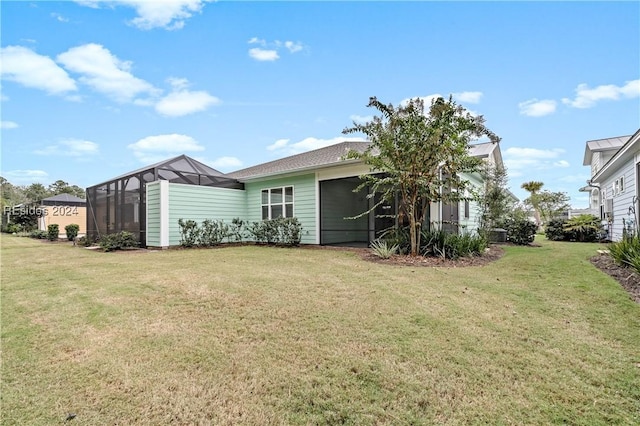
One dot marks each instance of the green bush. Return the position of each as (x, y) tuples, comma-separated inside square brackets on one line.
[(85, 241), (398, 236), (452, 246), (189, 233), (584, 228), (39, 234), (212, 232), (53, 232), (12, 228), (520, 231), (554, 230), (118, 241), (281, 231), (72, 231), (236, 230)]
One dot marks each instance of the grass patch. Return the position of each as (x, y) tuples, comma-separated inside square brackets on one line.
[(263, 335)]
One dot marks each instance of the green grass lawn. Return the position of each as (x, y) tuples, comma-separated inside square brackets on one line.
[(255, 335)]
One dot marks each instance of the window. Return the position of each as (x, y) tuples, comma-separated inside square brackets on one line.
[(466, 209), (618, 186), (277, 202)]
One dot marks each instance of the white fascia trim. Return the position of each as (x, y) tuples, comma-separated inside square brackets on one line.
[(606, 171), (164, 213)]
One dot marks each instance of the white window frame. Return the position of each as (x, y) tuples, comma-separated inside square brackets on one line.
[(283, 204), (618, 186)]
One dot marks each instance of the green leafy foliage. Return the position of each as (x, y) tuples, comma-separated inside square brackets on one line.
[(280, 231), (452, 246), (39, 234), (584, 228), (212, 232), (72, 231), (417, 153), (520, 231), (189, 232), (383, 249), (53, 232), (118, 241), (236, 230), (554, 230)]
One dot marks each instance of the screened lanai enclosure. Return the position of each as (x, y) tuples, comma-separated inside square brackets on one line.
[(119, 204)]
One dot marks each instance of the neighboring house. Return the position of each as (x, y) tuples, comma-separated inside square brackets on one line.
[(317, 187), (63, 210), (613, 188)]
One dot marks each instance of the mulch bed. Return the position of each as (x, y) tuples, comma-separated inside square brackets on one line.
[(493, 253), (628, 278)]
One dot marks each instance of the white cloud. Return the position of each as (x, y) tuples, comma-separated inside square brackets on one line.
[(182, 101), (587, 98), (167, 14), (361, 119), (24, 66), (279, 144), (8, 125), (269, 51), (537, 108), (226, 163), (78, 148), (519, 160), (293, 47), (25, 177), (425, 99), (59, 17), (283, 147), (468, 97), (263, 54), (156, 148), (105, 73), (582, 178)]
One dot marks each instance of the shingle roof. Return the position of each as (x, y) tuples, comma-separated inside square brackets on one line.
[(326, 156), (607, 144), (312, 159), (65, 198)]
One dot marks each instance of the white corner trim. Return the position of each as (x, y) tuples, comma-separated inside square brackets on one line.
[(164, 213), (317, 212)]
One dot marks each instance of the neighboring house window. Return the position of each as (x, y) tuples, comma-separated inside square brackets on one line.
[(467, 214), (277, 202), (618, 186)]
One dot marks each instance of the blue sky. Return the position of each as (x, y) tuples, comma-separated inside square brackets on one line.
[(93, 89)]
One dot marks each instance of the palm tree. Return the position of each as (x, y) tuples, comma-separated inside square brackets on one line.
[(533, 188)]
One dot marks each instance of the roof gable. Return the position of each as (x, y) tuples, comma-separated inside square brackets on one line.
[(600, 145)]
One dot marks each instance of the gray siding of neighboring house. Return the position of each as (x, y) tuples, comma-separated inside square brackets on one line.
[(153, 214), (192, 202), (304, 201), (471, 224), (622, 201)]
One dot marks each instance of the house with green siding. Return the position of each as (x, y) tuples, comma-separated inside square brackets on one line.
[(316, 187)]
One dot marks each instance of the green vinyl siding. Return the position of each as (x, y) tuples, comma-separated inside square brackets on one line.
[(153, 214), (192, 202), (304, 201)]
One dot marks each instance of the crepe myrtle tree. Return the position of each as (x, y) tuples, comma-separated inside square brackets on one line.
[(419, 156)]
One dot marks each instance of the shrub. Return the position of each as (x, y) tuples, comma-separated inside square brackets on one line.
[(53, 232), (452, 246), (85, 241), (72, 231), (383, 249), (583, 228), (398, 236), (118, 241), (281, 231), (212, 232), (39, 234), (12, 228), (189, 232), (236, 230), (554, 230), (519, 230)]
